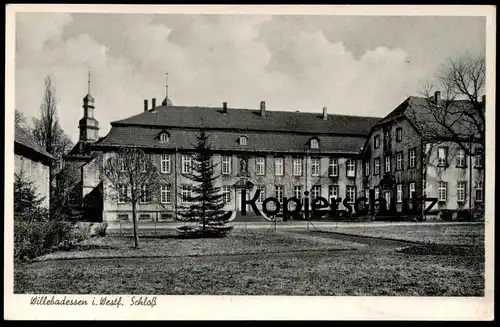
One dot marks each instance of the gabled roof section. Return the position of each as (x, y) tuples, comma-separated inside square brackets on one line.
[(22, 138), (251, 120)]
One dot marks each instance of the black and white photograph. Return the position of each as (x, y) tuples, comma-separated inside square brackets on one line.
[(305, 153)]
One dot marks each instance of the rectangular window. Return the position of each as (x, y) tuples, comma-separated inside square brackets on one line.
[(185, 193), (297, 167), (388, 164), (411, 189), (333, 191), (376, 141), (442, 154), (315, 192), (226, 193), (367, 168), (442, 191), (367, 195), (479, 161), (165, 162), (411, 157), (377, 192), (122, 217), (278, 166), (479, 192), (279, 193), (144, 198), (399, 134), (297, 191), (144, 216), (186, 164), (122, 193), (315, 167), (226, 165), (399, 161), (262, 194), (260, 166), (350, 193), (461, 186), (376, 166), (166, 216), (399, 193), (166, 193), (334, 167), (460, 158), (351, 168)]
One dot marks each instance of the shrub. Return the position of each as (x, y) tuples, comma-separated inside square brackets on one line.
[(81, 231), (99, 229), (195, 230)]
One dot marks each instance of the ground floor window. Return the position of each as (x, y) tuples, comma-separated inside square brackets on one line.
[(399, 194), (122, 217), (442, 191), (351, 193), (461, 186), (279, 193), (185, 193), (226, 193), (262, 194), (315, 192), (333, 191), (479, 192), (144, 216)]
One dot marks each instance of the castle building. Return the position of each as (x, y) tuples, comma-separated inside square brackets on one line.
[(281, 153)]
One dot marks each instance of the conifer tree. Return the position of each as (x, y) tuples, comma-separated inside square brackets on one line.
[(206, 200)]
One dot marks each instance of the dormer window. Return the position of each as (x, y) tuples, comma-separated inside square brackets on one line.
[(164, 137), (314, 144), (243, 140)]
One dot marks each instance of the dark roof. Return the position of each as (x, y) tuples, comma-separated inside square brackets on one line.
[(22, 138), (419, 111), (146, 136), (250, 120)]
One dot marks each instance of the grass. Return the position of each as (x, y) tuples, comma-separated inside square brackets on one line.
[(259, 263), (437, 234)]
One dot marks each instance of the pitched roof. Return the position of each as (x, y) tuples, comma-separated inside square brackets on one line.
[(421, 113), (21, 137), (250, 120), (146, 136)]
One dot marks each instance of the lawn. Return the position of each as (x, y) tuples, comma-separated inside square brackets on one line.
[(437, 234)]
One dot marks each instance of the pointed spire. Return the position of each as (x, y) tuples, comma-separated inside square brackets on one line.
[(89, 83), (166, 101), (88, 100)]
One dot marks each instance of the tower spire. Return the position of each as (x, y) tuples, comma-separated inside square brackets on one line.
[(166, 101), (89, 83)]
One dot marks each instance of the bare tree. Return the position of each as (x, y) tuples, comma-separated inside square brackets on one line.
[(20, 120), (133, 176)]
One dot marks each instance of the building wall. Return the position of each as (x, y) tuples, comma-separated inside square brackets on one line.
[(37, 172)]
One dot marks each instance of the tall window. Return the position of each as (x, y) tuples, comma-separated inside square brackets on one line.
[(226, 165), (315, 192), (315, 166), (122, 193), (333, 191), (461, 186), (376, 141), (334, 167), (399, 193), (479, 161), (367, 168), (388, 164), (164, 137), (165, 162), (351, 168), (411, 157), (314, 144), (411, 188), (479, 191), (376, 166), (399, 161), (121, 164), (279, 193), (166, 193), (186, 164), (377, 192), (399, 134), (185, 193), (442, 191), (278, 166), (350, 193), (297, 191), (262, 194), (460, 158), (442, 152), (144, 198), (367, 195), (260, 165), (297, 167), (226, 193)]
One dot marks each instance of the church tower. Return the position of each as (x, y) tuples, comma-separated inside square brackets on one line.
[(88, 125)]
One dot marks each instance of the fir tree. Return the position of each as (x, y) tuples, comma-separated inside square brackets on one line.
[(206, 200)]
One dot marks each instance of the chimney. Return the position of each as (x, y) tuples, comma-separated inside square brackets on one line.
[(224, 108), (153, 103), (145, 105), (325, 113), (263, 108), (437, 97)]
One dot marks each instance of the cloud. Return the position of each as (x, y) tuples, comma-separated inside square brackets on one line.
[(291, 64)]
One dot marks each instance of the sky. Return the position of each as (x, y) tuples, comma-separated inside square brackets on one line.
[(357, 65)]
